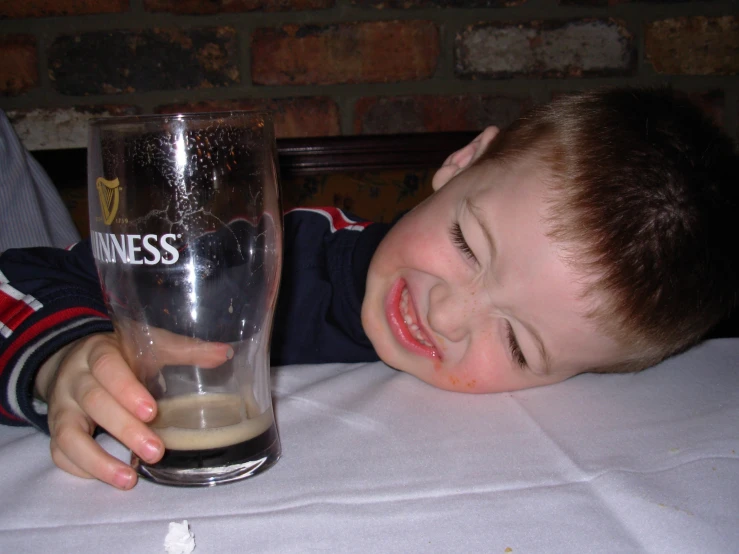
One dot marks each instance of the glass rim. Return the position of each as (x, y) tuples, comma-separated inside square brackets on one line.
[(177, 116)]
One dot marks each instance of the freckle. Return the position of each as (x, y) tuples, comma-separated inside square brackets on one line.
[(471, 384), (453, 380)]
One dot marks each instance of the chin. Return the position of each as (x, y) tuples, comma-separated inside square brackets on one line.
[(414, 368)]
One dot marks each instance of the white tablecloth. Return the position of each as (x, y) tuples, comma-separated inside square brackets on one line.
[(376, 461)]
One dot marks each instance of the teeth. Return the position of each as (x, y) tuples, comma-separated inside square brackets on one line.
[(412, 326), (422, 341)]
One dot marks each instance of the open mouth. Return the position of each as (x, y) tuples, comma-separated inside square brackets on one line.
[(404, 321), (408, 313)]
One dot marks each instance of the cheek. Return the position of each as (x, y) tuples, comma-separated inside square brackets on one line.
[(484, 367), (412, 246)]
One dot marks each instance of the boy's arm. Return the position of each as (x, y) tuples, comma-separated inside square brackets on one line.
[(48, 298), (51, 297)]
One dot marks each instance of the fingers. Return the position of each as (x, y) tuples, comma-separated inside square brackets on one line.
[(76, 452), (113, 373), (104, 409), (173, 349), (73, 449), (63, 462), (94, 386)]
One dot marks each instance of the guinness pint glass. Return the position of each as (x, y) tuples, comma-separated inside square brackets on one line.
[(186, 233)]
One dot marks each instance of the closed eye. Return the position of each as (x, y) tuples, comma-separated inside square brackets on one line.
[(515, 348), (460, 242)]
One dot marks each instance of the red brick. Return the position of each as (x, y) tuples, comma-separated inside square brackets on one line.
[(144, 60), (614, 2), (422, 114), (584, 47), (617, 2), (694, 45), (199, 7), (48, 8), (367, 52), (408, 4), (293, 117), (18, 64)]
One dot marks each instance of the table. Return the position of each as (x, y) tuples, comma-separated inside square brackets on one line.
[(376, 461)]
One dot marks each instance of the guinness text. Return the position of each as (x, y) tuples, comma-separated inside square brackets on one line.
[(134, 249)]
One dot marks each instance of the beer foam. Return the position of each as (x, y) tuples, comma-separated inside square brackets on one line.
[(180, 437)]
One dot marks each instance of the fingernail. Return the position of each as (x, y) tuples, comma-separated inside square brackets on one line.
[(230, 353), (151, 450), (144, 411), (123, 479)]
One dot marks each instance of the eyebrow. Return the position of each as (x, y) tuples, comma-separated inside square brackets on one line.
[(477, 214)]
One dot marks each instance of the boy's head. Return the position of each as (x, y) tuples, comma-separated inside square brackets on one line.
[(592, 235)]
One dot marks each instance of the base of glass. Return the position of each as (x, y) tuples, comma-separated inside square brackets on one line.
[(207, 468)]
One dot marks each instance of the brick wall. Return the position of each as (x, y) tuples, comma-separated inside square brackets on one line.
[(332, 67)]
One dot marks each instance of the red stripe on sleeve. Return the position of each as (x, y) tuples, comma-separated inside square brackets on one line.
[(340, 221), (34, 331), (336, 217), (13, 312)]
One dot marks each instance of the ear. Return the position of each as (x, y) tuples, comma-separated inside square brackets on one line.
[(462, 159)]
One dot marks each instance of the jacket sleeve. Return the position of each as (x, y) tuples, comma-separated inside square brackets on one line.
[(325, 262), (49, 297)]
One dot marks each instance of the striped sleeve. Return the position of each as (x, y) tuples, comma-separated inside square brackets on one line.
[(48, 298)]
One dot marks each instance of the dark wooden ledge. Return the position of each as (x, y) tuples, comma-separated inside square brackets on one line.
[(306, 156), (367, 153)]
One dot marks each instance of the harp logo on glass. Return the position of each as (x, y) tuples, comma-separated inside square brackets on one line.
[(128, 249), (109, 193)]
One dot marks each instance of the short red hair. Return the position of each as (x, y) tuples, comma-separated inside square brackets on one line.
[(644, 196)]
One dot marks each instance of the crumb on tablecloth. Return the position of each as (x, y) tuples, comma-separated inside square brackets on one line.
[(179, 539)]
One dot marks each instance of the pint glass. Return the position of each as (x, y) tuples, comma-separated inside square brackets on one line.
[(186, 233)]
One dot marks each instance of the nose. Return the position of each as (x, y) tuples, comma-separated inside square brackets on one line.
[(452, 311)]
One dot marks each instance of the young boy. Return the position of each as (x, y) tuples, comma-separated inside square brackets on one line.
[(595, 234)]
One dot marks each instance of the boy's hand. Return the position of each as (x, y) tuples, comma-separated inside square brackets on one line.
[(89, 383)]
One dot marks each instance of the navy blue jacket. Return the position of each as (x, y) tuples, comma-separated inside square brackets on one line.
[(50, 297)]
